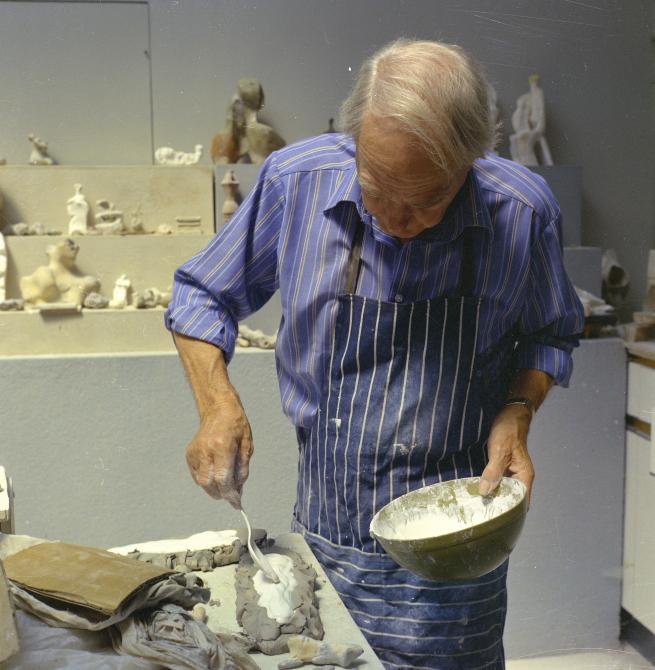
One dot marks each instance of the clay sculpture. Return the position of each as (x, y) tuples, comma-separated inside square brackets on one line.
[(272, 613), (244, 139), (169, 156), (39, 154), (262, 139), (59, 282), (529, 124), (249, 337), (108, 219), (122, 293), (304, 650)]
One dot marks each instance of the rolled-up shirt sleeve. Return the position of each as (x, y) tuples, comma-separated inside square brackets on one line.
[(552, 318), (236, 273)]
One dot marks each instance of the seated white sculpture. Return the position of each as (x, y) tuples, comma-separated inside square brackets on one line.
[(169, 156), (39, 154), (529, 123), (59, 281)]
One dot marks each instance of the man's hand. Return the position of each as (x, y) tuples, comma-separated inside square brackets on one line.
[(508, 450), (219, 454)]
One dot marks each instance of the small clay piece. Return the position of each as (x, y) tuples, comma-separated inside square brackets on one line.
[(199, 613), (95, 301), (529, 123), (121, 295), (152, 297), (230, 185), (18, 229), (3, 268), (59, 281), (255, 338), (108, 220), (39, 154), (23, 229), (304, 650), (272, 613), (135, 226), (164, 229), (12, 304), (78, 209), (169, 156)]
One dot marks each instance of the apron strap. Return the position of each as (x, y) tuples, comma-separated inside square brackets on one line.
[(354, 260)]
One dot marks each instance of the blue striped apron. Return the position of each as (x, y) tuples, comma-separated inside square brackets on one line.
[(408, 403)]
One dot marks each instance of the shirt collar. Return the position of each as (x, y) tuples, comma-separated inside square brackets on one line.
[(467, 208)]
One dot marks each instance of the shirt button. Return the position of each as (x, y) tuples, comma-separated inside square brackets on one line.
[(399, 297)]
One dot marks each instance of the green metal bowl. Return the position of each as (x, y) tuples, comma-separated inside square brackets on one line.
[(475, 548)]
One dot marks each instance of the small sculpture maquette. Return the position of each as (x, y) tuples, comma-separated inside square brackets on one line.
[(108, 219), (78, 209), (169, 156), (244, 139), (304, 650), (58, 283), (39, 155), (529, 123), (230, 186)]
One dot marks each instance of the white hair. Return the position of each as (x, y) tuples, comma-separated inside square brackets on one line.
[(436, 91)]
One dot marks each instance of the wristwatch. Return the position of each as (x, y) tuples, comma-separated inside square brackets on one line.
[(526, 402)]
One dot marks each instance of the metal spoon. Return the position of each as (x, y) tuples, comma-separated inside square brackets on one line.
[(258, 558)]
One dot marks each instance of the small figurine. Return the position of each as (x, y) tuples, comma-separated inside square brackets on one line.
[(121, 295), (59, 282), (169, 156), (108, 220), (135, 226), (78, 210), (39, 155), (230, 186), (529, 123)]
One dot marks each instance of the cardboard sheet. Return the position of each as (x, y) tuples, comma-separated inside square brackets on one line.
[(83, 576)]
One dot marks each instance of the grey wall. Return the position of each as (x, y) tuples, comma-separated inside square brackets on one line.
[(595, 59)]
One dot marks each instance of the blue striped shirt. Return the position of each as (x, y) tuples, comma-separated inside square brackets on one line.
[(293, 233)]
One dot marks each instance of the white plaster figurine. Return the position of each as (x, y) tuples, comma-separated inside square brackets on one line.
[(529, 123), (303, 649), (59, 283), (78, 209), (230, 186), (39, 155), (122, 293), (169, 156), (108, 219)]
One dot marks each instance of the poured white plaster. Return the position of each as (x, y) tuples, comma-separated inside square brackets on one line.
[(278, 599), (207, 540)]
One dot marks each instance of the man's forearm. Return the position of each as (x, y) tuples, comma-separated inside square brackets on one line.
[(206, 370), (531, 384)]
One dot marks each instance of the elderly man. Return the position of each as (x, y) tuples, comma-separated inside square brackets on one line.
[(425, 314)]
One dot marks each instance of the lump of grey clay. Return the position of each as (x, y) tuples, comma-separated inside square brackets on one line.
[(203, 559), (270, 636), (95, 301), (12, 304)]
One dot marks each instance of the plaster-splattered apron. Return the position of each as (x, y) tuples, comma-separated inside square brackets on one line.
[(408, 403)]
